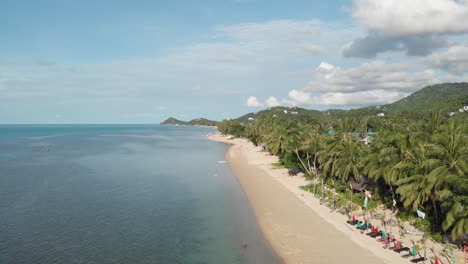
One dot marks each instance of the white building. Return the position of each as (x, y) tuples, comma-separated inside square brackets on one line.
[(381, 114)]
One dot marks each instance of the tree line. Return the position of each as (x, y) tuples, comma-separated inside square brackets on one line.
[(419, 163)]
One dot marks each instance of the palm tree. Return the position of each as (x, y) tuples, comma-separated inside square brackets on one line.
[(411, 187), (457, 219), (344, 159)]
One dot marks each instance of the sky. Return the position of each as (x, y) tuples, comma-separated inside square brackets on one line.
[(136, 61)]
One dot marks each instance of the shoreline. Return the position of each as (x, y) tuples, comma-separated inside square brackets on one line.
[(293, 222)]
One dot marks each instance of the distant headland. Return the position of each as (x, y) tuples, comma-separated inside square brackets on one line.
[(193, 122)]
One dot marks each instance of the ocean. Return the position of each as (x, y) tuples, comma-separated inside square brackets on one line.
[(122, 194)]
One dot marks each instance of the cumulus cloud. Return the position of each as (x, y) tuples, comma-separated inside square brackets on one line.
[(454, 60), (376, 42), (313, 49), (252, 101), (281, 30), (415, 17), (372, 97), (272, 101), (374, 75)]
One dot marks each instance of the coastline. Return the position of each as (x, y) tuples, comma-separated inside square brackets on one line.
[(293, 222)]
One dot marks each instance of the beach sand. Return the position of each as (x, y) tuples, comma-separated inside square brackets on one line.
[(298, 228)]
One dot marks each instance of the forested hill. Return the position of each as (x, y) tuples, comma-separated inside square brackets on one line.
[(194, 122), (441, 97), (447, 97)]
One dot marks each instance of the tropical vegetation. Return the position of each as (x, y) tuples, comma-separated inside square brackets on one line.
[(418, 160)]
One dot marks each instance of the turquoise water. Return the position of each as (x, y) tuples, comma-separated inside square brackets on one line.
[(121, 194)]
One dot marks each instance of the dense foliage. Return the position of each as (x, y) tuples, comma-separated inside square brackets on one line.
[(420, 161)]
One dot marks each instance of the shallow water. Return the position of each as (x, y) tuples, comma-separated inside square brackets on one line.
[(121, 194)]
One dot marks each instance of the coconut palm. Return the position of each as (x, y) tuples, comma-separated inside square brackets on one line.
[(343, 160), (457, 219)]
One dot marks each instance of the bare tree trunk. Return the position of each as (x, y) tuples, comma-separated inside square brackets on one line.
[(315, 166), (435, 213), (308, 163), (302, 162)]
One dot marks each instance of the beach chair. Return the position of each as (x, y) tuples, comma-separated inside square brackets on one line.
[(353, 221), (360, 225), (398, 248), (376, 234), (388, 240), (373, 231), (414, 252), (383, 237), (416, 260)]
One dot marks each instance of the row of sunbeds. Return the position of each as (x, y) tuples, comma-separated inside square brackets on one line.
[(386, 239)]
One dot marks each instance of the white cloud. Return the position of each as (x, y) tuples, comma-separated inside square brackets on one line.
[(252, 101), (299, 97), (371, 97), (412, 17), (454, 60), (375, 82), (196, 88), (231, 58), (313, 49), (272, 101), (376, 42), (374, 75), (281, 30)]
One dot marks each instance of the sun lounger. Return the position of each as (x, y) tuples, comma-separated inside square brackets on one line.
[(361, 226), (379, 233), (373, 231), (412, 252), (418, 259), (402, 249), (398, 248), (383, 237), (353, 221), (388, 240)]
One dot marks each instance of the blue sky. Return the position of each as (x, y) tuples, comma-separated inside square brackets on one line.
[(143, 61)]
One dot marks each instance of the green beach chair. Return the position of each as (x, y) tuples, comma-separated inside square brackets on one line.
[(382, 237)]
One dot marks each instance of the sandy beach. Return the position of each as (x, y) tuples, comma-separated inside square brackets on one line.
[(292, 220)]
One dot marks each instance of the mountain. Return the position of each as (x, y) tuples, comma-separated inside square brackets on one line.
[(446, 97), (194, 122), (293, 113)]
